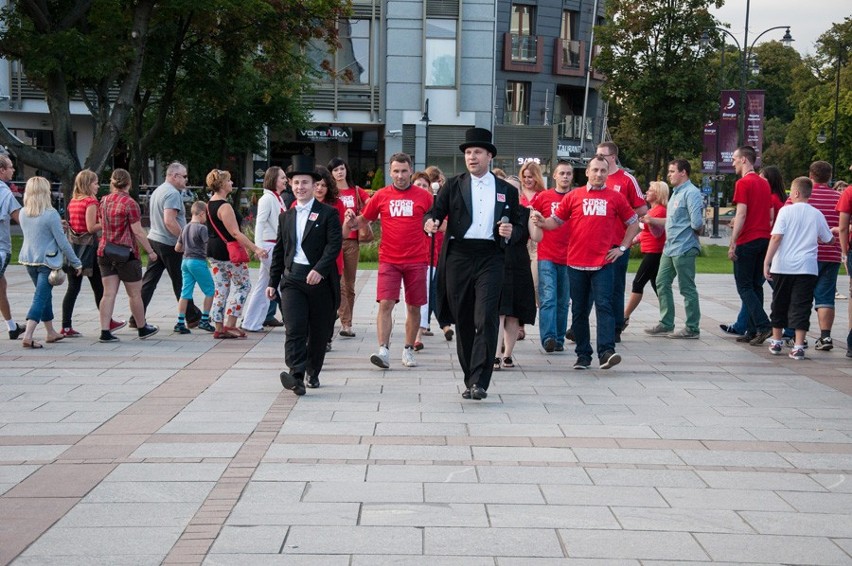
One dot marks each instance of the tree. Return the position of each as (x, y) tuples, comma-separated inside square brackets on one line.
[(659, 83)]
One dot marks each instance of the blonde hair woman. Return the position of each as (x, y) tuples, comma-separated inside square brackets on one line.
[(532, 183), (121, 218), (231, 279), (651, 241), (43, 249)]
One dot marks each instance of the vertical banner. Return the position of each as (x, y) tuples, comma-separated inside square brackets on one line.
[(754, 123), (729, 106), (708, 154)]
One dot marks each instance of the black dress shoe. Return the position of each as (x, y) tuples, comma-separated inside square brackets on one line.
[(477, 393), (273, 322), (746, 338), (313, 382), (295, 383), (13, 334), (466, 394)]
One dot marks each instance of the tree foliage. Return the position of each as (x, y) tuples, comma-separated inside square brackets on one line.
[(660, 82)]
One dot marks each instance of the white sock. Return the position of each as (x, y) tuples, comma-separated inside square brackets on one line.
[(12, 324)]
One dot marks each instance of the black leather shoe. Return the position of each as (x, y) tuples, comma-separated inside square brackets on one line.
[(466, 394), (477, 393), (13, 334), (746, 338), (294, 383), (760, 337), (273, 322), (313, 382)]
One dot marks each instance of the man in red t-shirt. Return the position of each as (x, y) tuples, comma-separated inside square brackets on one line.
[(749, 241), (591, 214), (553, 291), (844, 208), (622, 182), (403, 254)]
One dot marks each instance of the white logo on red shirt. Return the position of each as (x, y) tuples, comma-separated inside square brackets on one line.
[(553, 207), (401, 208), (594, 207), (348, 201)]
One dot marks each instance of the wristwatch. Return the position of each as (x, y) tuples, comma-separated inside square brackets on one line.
[(622, 249)]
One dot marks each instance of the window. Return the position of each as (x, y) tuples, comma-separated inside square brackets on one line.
[(517, 103), (568, 30), (440, 57), (524, 47), (352, 61), (571, 46)]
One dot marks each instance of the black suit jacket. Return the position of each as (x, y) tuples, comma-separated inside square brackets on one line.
[(321, 243)]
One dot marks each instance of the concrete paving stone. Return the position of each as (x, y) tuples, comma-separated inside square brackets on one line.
[(465, 417), (151, 472), (276, 560), (609, 431), (594, 495), (319, 451), (627, 400), (424, 514), (353, 540), (833, 482), (746, 422), (640, 545), (703, 433), (273, 492), (733, 499), (269, 513), (732, 458), (845, 544), (310, 416), (434, 407), (310, 472), (416, 473), (819, 461), (681, 520), (533, 475), (374, 417), (129, 515), (648, 478), (512, 561), (35, 416), (523, 454), (800, 435), (172, 427), (47, 429), (481, 493), (363, 492), (219, 416), (403, 452), (114, 560), (187, 450), (741, 549), (644, 420), (551, 516), (491, 542), (758, 480), (809, 502), (776, 412), (330, 429), (398, 560), (149, 492), (255, 539), (515, 429), (626, 456), (821, 524), (101, 542), (420, 429), (14, 474)]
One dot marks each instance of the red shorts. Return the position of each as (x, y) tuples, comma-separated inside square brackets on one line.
[(413, 275)]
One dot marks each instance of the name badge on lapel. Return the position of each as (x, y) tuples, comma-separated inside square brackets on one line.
[(313, 216), (501, 197)]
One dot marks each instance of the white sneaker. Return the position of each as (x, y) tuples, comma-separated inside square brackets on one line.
[(381, 358), (408, 357)]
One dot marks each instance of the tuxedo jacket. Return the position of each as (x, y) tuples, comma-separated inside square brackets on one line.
[(321, 243)]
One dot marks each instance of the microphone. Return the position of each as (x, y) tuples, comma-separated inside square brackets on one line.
[(435, 186), (505, 220)]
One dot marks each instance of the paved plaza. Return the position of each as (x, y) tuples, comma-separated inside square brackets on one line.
[(186, 450)]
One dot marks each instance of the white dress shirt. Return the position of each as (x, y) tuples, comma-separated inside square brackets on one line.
[(302, 212), (483, 195), (269, 206)]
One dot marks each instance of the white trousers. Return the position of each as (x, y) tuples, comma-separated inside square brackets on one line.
[(257, 304)]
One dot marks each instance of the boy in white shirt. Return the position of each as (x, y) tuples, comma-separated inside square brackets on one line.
[(791, 264)]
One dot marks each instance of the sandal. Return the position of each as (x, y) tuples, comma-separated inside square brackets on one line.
[(32, 344), (234, 331), (55, 338), (222, 335), (508, 363)]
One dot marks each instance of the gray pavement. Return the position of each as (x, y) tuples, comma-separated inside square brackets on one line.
[(184, 450)]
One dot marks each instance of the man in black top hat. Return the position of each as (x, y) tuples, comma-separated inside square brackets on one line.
[(480, 211), (305, 254)]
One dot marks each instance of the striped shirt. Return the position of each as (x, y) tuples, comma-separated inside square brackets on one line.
[(825, 199)]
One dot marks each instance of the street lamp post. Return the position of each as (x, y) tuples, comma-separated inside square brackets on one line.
[(836, 114), (425, 118)]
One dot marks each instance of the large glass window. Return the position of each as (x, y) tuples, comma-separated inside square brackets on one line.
[(570, 44), (440, 57), (524, 46), (517, 103), (352, 62)]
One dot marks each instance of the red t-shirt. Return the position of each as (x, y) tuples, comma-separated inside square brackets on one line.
[(754, 192), (347, 197), (777, 205), (554, 244), (590, 215), (826, 200), (623, 182), (845, 205), (648, 243), (402, 211), (77, 213)]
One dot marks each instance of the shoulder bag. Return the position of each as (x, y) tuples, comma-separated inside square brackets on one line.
[(365, 232), (236, 252)]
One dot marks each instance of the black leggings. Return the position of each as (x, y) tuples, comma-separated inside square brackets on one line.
[(647, 272), (75, 282)]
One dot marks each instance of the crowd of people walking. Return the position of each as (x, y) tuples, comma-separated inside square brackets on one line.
[(483, 252)]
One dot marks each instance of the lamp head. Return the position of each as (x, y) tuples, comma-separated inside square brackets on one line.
[(787, 39), (704, 42)]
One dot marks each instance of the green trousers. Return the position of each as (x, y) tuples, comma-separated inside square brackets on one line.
[(682, 266)]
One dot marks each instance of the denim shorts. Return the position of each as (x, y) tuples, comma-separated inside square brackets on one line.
[(826, 285)]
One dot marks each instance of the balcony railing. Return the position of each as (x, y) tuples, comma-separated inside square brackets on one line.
[(516, 117), (569, 57), (569, 127), (522, 53)]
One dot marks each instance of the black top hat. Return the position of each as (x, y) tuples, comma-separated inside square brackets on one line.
[(478, 137), (304, 165)]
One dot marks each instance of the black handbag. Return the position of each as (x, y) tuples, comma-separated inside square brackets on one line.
[(116, 253)]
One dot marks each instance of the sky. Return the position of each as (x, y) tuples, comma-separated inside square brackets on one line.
[(807, 19)]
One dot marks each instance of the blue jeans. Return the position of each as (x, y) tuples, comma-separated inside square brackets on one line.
[(619, 282), (41, 309), (748, 274), (553, 299), (585, 285)]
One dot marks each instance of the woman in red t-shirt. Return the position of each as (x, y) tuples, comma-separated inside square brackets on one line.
[(776, 184), (651, 242), (532, 183)]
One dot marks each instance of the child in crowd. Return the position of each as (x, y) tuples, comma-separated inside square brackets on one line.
[(193, 243), (791, 264)]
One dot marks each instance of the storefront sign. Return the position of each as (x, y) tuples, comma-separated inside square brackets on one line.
[(331, 133)]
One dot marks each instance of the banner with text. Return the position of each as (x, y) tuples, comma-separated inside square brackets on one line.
[(721, 140)]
